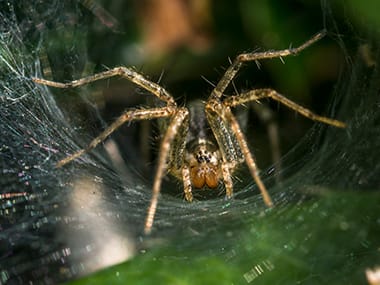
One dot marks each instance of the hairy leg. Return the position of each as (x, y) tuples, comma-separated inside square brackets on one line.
[(125, 117), (178, 118), (257, 94), (235, 66)]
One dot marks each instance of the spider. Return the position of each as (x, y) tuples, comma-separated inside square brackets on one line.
[(203, 144)]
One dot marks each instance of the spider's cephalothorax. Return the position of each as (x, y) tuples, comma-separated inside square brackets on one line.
[(201, 145)]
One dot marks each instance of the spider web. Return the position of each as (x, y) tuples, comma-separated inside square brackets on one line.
[(59, 224)]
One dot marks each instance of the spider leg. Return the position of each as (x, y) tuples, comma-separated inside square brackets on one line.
[(233, 145), (223, 110), (234, 68), (122, 71), (257, 94), (187, 188), (181, 115), (226, 172), (142, 114), (230, 151), (132, 76), (176, 162), (251, 163)]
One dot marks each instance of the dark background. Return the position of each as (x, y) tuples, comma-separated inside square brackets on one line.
[(59, 224)]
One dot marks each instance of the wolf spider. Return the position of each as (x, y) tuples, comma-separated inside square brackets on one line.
[(200, 146)]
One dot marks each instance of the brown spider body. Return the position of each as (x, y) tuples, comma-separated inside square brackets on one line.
[(201, 145), (202, 154)]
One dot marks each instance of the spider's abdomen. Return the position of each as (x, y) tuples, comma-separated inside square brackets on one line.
[(199, 127)]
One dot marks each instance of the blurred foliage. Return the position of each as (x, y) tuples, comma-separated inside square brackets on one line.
[(283, 243), (364, 13)]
